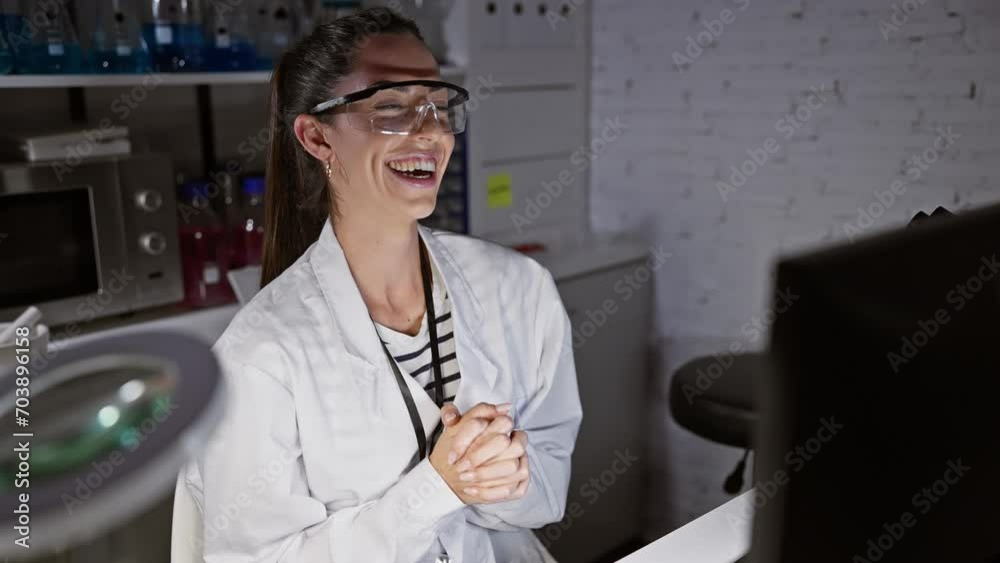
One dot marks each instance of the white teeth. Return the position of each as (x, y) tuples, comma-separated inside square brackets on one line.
[(411, 165)]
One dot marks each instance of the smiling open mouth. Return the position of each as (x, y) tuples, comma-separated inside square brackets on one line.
[(416, 169)]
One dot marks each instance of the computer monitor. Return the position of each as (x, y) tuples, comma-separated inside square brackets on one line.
[(880, 432)]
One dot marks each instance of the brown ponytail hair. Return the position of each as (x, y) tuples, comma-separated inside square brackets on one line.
[(298, 201)]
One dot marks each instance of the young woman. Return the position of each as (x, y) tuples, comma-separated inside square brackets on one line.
[(397, 394)]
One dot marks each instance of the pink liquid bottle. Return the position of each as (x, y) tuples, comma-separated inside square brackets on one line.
[(232, 216), (204, 252), (251, 226)]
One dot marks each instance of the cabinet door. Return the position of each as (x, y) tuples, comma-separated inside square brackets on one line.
[(605, 502), (489, 22)]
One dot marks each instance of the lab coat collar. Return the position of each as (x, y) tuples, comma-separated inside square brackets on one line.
[(358, 334)]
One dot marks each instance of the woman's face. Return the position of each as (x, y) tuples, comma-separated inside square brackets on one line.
[(366, 165)]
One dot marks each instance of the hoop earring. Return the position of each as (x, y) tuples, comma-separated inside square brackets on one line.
[(329, 171)]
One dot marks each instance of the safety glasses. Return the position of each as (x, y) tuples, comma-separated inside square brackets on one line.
[(400, 108)]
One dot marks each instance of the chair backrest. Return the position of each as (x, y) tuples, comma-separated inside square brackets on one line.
[(186, 530)]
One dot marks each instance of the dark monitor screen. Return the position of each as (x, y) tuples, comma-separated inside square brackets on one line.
[(48, 251), (883, 411)]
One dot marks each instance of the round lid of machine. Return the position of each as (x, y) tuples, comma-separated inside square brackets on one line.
[(101, 434)]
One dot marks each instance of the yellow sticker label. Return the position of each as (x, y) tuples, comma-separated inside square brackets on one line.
[(498, 192)]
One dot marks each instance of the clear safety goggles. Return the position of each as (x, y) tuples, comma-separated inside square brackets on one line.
[(400, 108)]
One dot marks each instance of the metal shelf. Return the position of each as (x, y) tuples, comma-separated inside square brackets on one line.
[(162, 79)]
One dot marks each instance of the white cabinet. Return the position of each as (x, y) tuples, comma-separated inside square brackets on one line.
[(605, 502), (533, 118), (492, 14)]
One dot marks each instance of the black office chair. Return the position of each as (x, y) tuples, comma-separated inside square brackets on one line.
[(721, 409)]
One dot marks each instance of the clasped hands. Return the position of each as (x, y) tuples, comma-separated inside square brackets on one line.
[(480, 455)]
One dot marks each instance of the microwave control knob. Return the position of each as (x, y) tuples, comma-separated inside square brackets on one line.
[(148, 200), (153, 243)]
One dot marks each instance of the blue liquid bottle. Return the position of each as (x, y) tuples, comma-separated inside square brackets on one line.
[(6, 56), (54, 48), (116, 43), (278, 25), (173, 34), (273, 24), (10, 25), (330, 10), (228, 44)]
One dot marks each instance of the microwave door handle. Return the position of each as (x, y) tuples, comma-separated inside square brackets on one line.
[(96, 242)]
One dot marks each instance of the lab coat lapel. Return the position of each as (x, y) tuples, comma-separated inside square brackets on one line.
[(478, 369), (370, 368), (367, 362)]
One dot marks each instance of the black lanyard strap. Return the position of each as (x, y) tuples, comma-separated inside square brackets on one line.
[(411, 406), (425, 271)]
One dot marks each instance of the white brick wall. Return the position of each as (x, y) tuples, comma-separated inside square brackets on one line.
[(886, 99)]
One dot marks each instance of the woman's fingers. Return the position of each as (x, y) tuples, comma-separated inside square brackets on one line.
[(501, 493), (466, 432), (517, 448), (471, 432), (495, 494), (491, 472), (502, 424), (509, 472), (450, 415), (485, 448), (480, 419), (488, 448), (487, 410), (521, 490)]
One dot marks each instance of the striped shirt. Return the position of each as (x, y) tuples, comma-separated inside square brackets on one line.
[(413, 353)]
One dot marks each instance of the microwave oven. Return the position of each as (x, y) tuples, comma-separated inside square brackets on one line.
[(87, 241)]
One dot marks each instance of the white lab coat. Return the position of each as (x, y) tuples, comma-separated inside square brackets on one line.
[(309, 465)]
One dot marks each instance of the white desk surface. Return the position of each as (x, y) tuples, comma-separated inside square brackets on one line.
[(721, 536)]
